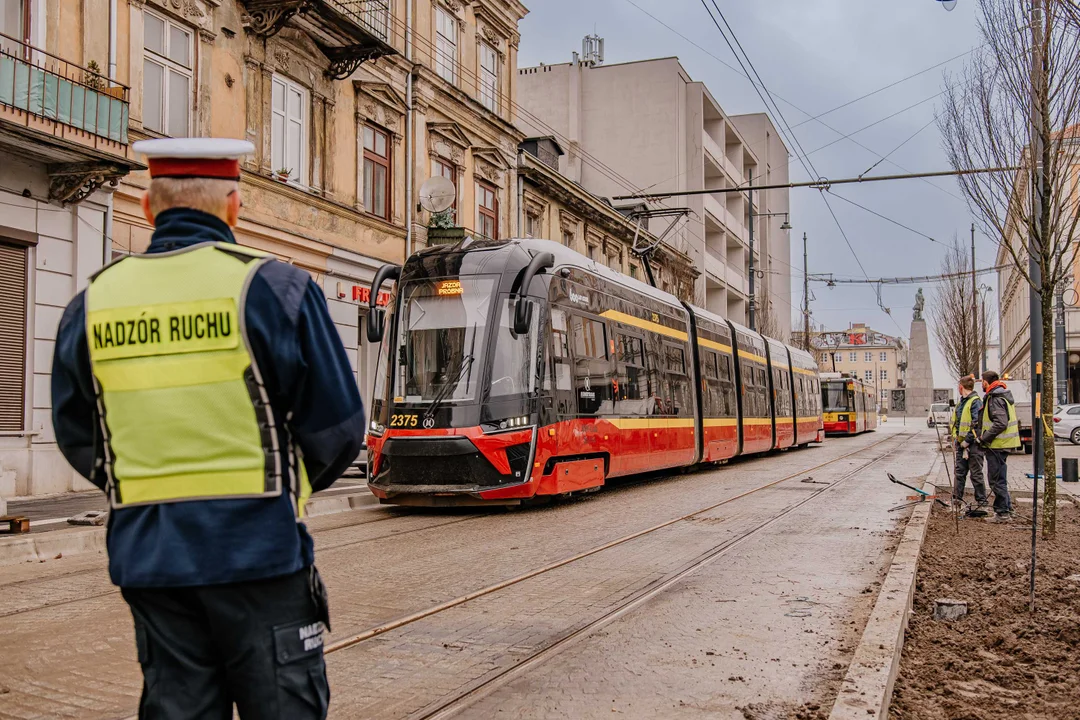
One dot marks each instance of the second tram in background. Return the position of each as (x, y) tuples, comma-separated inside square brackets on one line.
[(849, 404)]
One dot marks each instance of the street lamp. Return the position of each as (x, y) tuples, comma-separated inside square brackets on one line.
[(983, 290), (947, 4)]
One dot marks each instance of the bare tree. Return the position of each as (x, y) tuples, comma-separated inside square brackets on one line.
[(768, 321), (1018, 105), (957, 328)]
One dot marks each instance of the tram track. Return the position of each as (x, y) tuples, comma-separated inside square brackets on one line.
[(451, 706), (417, 616)]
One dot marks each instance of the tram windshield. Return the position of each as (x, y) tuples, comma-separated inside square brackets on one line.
[(443, 326), (834, 395)]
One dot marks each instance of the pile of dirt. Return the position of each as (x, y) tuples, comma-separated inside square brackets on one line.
[(1000, 661)]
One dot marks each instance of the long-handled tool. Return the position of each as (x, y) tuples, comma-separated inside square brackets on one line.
[(921, 495)]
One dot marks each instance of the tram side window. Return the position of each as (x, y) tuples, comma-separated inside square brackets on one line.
[(712, 366), (632, 393), (727, 387), (591, 367), (675, 365), (710, 384)]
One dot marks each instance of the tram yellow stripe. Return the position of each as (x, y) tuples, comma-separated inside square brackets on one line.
[(712, 345), (751, 356), (644, 324), (812, 418), (804, 371), (757, 421), (651, 423), (720, 422)]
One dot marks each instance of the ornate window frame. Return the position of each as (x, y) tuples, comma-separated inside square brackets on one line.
[(378, 104)]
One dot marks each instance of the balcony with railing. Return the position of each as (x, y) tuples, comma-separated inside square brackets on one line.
[(71, 118), (349, 32)]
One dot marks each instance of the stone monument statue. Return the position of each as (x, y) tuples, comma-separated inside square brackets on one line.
[(919, 380)]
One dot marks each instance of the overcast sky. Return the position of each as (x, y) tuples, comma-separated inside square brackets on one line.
[(818, 54)]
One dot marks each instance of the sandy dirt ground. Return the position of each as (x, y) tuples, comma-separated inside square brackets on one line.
[(1000, 662)]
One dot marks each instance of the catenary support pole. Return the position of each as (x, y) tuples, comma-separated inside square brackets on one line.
[(974, 307), (1061, 357), (1035, 273), (805, 296), (750, 199)]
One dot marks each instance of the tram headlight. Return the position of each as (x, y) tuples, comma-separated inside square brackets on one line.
[(377, 427), (513, 423)]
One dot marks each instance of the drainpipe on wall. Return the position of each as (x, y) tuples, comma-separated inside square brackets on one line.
[(106, 242), (520, 196), (410, 140)]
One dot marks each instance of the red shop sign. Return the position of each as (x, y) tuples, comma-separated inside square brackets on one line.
[(363, 294)]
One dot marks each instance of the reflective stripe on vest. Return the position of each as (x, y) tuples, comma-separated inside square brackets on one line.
[(961, 430), (1010, 436), (183, 408)]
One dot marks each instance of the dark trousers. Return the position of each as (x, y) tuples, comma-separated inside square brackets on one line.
[(973, 464), (256, 644), (995, 470)]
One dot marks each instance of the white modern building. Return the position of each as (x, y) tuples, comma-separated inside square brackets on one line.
[(649, 126)]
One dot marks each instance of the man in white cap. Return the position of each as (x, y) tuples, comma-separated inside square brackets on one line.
[(203, 386)]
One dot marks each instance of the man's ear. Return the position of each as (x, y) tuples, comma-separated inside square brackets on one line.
[(232, 211), (146, 207)]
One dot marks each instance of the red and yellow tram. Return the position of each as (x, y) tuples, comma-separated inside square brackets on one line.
[(850, 404), (517, 369)]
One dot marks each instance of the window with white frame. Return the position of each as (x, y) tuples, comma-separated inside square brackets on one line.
[(868, 375), (883, 357), (851, 357), (446, 45), (868, 357), (532, 225), (167, 75), (489, 77), (884, 374), (289, 129)]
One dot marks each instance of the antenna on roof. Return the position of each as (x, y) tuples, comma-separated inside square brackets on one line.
[(592, 50)]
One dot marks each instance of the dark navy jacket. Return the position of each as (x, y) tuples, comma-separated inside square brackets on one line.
[(309, 381)]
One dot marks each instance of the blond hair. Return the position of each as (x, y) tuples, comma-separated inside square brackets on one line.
[(208, 195)]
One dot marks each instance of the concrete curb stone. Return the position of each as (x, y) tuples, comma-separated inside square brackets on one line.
[(866, 691)]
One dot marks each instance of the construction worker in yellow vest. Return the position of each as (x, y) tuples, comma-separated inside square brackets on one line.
[(999, 433), (968, 455), (204, 388)]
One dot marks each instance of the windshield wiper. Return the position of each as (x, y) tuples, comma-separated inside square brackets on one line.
[(447, 387)]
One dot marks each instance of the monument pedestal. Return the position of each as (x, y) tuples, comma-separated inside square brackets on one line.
[(920, 373)]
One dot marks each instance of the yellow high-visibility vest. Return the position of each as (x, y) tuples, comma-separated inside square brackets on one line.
[(1010, 436), (964, 427), (183, 409)]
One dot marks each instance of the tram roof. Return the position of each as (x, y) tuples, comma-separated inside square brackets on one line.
[(564, 257)]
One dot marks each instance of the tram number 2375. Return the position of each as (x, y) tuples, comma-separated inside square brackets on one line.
[(402, 421)]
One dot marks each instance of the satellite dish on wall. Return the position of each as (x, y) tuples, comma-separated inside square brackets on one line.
[(437, 194), (947, 4)]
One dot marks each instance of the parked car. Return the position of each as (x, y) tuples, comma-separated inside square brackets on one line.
[(1067, 423), (939, 415)]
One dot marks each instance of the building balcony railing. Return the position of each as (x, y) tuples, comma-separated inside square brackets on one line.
[(46, 92), (349, 32)]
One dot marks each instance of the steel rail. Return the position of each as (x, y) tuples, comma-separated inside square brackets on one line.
[(462, 599), (452, 706)]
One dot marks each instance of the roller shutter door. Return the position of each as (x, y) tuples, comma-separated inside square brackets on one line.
[(12, 337)]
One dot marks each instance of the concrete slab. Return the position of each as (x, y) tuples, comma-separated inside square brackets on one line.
[(867, 686)]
